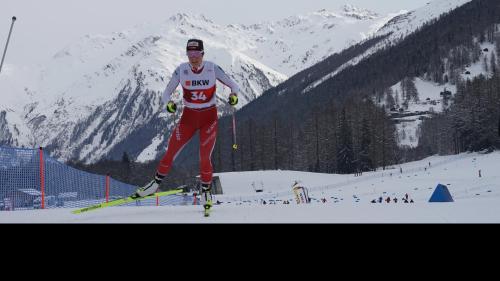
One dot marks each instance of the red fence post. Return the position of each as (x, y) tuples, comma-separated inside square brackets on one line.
[(42, 178), (157, 201), (107, 188)]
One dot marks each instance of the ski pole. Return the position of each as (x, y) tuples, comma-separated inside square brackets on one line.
[(235, 144), (7, 44)]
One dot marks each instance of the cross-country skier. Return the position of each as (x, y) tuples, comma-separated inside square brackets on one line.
[(198, 80)]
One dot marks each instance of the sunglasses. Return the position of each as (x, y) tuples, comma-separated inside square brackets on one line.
[(195, 54)]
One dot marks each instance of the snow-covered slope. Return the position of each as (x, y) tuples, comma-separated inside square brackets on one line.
[(100, 96), (348, 198), (459, 172), (433, 97), (397, 29), (430, 101)]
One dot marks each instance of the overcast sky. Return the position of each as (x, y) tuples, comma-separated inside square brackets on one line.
[(46, 26)]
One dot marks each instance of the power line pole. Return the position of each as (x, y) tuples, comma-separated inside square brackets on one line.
[(7, 44)]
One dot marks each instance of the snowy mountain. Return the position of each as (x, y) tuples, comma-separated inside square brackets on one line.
[(308, 135), (298, 42), (396, 30), (408, 118), (101, 96)]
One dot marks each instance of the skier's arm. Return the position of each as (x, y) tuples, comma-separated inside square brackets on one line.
[(172, 85), (226, 80)]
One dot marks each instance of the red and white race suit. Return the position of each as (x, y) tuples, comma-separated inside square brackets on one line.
[(200, 113)]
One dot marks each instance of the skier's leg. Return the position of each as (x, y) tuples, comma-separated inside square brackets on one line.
[(206, 196), (179, 138), (208, 137)]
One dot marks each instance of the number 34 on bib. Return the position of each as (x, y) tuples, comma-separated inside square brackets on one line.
[(198, 96)]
